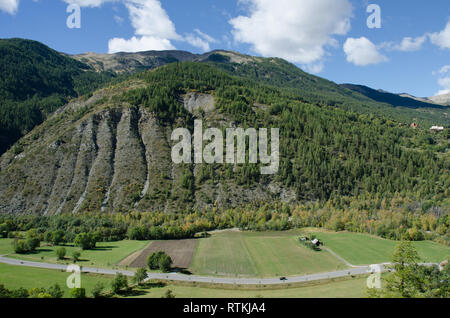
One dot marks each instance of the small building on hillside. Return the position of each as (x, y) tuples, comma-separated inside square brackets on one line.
[(414, 125), (437, 128), (316, 242)]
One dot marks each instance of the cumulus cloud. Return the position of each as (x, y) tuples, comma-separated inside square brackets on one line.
[(9, 6), (153, 28), (442, 39), (296, 30), (445, 83), (362, 52), (408, 44), (444, 69), (201, 40), (138, 44)]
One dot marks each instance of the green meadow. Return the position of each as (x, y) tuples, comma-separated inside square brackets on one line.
[(242, 254), (14, 277), (348, 288), (363, 249), (106, 255)]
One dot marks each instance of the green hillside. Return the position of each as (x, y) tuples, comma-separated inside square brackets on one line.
[(98, 154), (35, 81), (319, 91)]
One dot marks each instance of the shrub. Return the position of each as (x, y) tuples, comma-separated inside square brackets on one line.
[(78, 293), (159, 260), (61, 253), (55, 291), (86, 241), (76, 256), (39, 293), (119, 283), (97, 290), (153, 260), (168, 294), (165, 263), (140, 276)]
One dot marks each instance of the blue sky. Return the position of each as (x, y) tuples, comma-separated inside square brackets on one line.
[(409, 53)]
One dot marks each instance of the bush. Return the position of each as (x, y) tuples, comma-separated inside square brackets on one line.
[(165, 263), (86, 241), (76, 256), (57, 237), (140, 276), (168, 294), (19, 293), (159, 260), (153, 260), (78, 293), (39, 293), (20, 247), (119, 283), (61, 253), (97, 290), (55, 291)]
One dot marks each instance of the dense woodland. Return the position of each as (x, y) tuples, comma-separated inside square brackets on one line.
[(396, 219), (35, 81), (325, 152)]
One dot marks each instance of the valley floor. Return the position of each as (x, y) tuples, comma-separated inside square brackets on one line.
[(227, 257)]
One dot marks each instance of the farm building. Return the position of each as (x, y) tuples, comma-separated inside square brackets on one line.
[(437, 128), (316, 242)]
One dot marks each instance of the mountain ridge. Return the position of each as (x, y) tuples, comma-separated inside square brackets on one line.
[(110, 151)]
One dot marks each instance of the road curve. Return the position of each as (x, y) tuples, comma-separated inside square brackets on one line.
[(194, 278), (356, 270)]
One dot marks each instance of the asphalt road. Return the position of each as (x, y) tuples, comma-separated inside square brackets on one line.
[(199, 279)]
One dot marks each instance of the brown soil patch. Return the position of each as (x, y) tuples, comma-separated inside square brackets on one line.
[(181, 252)]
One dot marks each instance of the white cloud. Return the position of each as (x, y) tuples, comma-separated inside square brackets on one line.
[(362, 52), (137, 44), (205, 36), (118, 19), (296, 30), (444, 69), (201, 40), (409, 44), (150, 19), (10, 6), (197, 42), (445, 83), (154, 30), (442, 39)]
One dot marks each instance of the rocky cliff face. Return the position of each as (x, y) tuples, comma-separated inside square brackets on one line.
[(102, 155)]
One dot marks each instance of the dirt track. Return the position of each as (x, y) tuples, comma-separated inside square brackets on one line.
[(181, 252)]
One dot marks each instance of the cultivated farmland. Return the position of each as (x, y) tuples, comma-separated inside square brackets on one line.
[(241, 254), (180, 251)]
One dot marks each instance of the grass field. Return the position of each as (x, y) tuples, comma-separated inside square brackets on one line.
[(14, 277), (107, 254), (363, 249), (243, 254), (350, 288)]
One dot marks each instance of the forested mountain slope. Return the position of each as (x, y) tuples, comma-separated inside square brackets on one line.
[(111, 151), (35, 81)]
